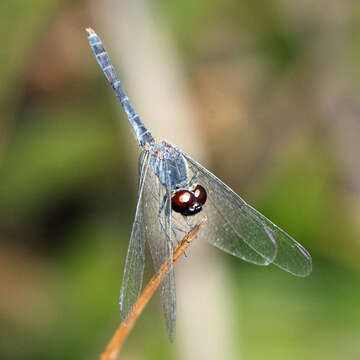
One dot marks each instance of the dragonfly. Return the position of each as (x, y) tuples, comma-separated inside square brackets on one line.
[(173, 191)]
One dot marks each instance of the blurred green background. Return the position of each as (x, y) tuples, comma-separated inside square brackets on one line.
[(274, 85)]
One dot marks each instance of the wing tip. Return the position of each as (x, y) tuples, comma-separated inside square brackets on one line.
[(301, 271)]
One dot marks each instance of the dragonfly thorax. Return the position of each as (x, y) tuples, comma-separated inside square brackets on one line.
[(168, 164)]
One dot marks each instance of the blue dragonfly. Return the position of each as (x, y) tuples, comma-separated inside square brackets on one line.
[(173, 190)]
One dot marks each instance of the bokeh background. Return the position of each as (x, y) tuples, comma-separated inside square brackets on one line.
[(264, 92)]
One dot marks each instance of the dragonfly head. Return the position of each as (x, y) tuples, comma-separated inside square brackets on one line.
[(189, 202)]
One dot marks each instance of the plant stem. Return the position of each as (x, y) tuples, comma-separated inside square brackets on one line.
[(126, 326)]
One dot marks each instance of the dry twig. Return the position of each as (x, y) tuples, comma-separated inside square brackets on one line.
[(126, 326)]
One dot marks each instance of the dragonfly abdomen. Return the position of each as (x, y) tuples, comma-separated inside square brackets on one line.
[(142, 133)]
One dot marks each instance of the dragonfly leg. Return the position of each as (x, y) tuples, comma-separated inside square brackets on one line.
[(181, 230), (188, 223), (161, 209), (174, 229), (178, 229)]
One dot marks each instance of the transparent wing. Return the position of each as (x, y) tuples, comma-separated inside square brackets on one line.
[(135, 258), (220, 232), (235, 224), (159, 238)]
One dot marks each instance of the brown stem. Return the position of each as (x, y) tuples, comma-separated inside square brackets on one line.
[(126, 326)]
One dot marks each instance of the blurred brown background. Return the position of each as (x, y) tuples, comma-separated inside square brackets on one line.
[(265, 93)]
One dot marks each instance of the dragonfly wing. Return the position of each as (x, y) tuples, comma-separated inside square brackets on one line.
[(221, 233), (159, 238), (243, 224), (135, 258)]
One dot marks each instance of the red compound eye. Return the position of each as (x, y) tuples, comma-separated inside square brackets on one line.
[(200, 194), (182, 200)]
